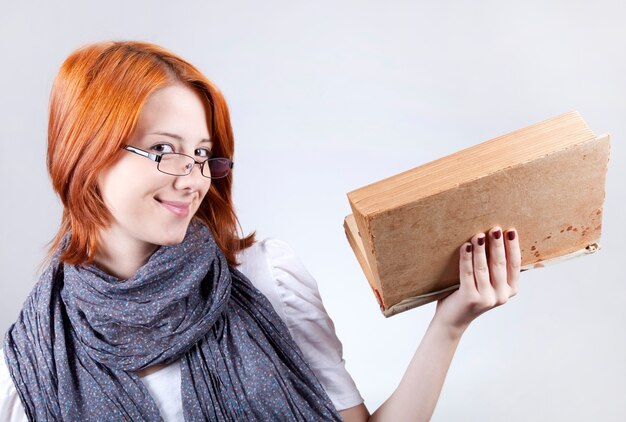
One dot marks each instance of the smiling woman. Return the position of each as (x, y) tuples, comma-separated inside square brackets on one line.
[(151, 208), (144, 277), (152, 307), (108, 95)]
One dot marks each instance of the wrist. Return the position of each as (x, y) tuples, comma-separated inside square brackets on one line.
[(453, 331)]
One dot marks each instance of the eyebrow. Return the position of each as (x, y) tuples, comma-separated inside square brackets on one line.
[(178, 137)]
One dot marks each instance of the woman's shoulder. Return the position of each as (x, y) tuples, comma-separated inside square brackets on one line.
[(270, 253), (277, 271), (11, 409), (265, 264), (274, 268), (263, 252)]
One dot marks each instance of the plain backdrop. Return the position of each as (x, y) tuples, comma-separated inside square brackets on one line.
[(329, 96)]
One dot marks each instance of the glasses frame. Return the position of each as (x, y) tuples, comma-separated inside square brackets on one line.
[(158, 157)]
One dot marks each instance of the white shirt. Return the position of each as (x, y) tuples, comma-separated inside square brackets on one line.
[(274, 269)]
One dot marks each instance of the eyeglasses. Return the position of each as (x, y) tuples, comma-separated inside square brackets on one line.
[(177, 164)]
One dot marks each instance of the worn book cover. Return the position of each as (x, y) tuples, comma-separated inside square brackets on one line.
[(546, 180)]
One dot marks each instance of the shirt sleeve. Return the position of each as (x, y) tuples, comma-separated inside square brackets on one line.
[(11, 408), (309, 324)]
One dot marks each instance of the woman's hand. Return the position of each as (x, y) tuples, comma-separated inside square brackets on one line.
[(485, 282)]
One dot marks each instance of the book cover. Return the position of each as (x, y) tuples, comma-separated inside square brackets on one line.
[(546, 180)]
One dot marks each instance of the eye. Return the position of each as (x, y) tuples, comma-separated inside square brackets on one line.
[(203, 152), (162, 148)]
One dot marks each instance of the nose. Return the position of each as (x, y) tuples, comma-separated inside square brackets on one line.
[(194, 181)]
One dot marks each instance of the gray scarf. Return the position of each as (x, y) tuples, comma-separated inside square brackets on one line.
[(83, 333)]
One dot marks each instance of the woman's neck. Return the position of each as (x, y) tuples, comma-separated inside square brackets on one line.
[(122, 257)]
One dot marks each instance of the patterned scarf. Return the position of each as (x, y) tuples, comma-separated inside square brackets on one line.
[(83, 333)]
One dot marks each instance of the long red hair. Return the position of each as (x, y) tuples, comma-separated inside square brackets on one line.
[(94, 107)]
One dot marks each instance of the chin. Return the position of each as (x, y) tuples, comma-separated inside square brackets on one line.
[(175, 237)]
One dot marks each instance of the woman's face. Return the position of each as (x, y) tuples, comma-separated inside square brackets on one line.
[(149, 207)]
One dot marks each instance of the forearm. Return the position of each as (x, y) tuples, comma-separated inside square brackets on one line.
[(418, 391), (484, 284)]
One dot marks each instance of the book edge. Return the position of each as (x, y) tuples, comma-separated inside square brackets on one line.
[(369, 204), (358, 248)]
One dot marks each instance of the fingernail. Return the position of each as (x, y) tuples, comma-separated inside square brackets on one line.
[(497, 234), (511, 235), (468, 248), (481, 241)]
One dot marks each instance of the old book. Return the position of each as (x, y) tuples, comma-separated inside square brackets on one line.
[(546, 180)]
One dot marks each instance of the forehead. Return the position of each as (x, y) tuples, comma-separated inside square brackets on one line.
[(175, 110)]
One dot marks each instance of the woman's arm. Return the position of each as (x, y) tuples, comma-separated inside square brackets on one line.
[(484, 284), (418, 391)]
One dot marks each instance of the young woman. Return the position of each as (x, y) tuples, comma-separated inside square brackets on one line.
[(152, 307)]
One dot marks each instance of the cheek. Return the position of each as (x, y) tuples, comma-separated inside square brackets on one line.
[(205, 193), (207, 188), (125, 192), (118, 199), (109, 185)]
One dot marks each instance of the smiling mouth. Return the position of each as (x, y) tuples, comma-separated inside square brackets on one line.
[(179, 209)]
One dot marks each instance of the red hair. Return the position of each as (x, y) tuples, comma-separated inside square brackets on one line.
[(94, 107)]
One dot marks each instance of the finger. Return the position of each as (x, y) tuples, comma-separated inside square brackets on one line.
[(481, 272), (466, 269), (513, 258), (497, 265)]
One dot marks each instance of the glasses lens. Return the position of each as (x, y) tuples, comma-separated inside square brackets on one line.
[(217, 167), (176, 164)]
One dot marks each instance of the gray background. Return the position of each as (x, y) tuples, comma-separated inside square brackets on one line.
[(329, 96)]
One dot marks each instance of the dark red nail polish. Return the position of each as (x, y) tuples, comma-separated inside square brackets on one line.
[(511, 235), (497, 234), (481, 241), (468, 248)]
